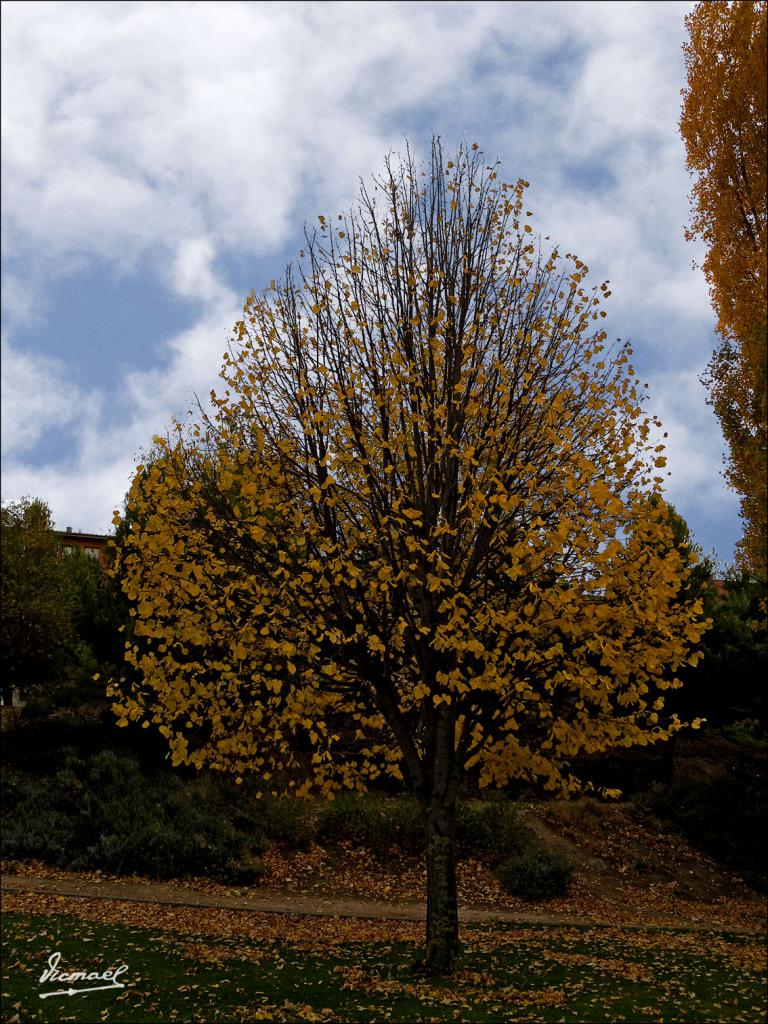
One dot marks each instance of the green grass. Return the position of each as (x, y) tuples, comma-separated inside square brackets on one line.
[(506, 974)]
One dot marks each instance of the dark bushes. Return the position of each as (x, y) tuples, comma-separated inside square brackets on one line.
[(103, 812), (535, 874), (287, 820), (490, 827), (381, 823), (127, 812), (375, 822)]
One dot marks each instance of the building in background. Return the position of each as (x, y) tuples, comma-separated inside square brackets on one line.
[(92, 544)]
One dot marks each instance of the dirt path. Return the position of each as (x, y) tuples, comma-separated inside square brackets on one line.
[(270, 903), (263, 903)]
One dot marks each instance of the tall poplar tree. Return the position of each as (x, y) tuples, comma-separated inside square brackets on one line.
[(724, 125), (418, 530)]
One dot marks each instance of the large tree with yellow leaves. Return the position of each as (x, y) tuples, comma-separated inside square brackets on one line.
[(417, 535), (724, 125)]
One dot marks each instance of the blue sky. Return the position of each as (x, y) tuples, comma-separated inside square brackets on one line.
[(160, 160)]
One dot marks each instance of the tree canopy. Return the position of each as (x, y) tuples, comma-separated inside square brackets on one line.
[(62, 616), (724, 125), (37, 602), (418, 530)]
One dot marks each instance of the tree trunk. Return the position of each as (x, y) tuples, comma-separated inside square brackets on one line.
[(442, 906)]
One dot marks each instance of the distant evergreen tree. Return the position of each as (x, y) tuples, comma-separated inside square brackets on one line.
[(36, 620)]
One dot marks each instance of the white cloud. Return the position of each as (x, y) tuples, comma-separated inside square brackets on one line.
[(20, 300), (130, 124), (36, 397), (178, 134), (193, 276), (79, 496), (131, 128)]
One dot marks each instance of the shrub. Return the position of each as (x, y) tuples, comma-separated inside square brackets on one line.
[(380, 823), (749, 732), (405, 822), (490, 827), (33, 828), (376, 822), (104, 812), (286, 820), (535, 874)]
